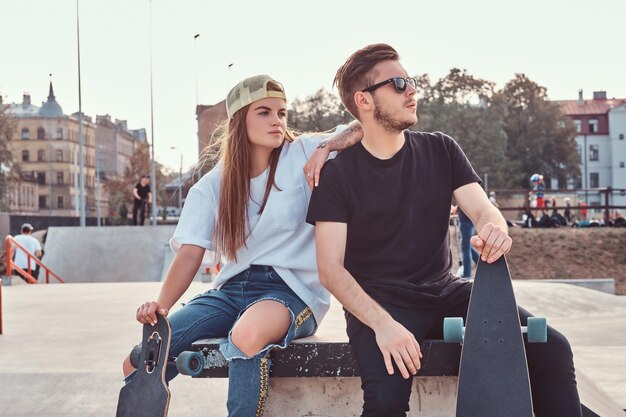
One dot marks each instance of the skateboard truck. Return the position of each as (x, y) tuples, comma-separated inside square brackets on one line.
[(153, 353), (536, 329)]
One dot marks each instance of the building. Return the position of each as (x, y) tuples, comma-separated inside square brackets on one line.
[(116, 145), (46, 149), (23, 196), (601, 127), (209, 118)]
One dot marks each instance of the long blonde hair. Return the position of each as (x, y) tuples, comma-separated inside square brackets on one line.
[(231, 145)]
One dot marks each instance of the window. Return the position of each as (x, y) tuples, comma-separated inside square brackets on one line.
[(593, 125), (621, 164), (59, 133), (25, 133), (25, 156), (579, 149), (59, 155), (59, 177), (594, 152), (41, 133), (40, 155), (579, 125), (621, 136), (60, 201), (42, 201), (41, 177), (594, 180)]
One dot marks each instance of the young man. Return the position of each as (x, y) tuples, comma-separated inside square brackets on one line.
[(142, 196), (32, 245), (381, 213)]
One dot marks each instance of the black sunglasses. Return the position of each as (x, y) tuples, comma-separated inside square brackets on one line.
[(398, 82)]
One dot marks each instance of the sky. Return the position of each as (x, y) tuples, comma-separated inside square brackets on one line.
[(564, 45)]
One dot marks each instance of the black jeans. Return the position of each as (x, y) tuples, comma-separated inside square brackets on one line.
[(550, 365), (139, 207)]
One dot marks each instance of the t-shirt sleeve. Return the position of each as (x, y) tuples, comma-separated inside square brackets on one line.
[(462, 171), (197, 221), (329, 201)]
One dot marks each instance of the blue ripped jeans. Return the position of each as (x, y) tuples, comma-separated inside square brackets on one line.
[(214, 313)]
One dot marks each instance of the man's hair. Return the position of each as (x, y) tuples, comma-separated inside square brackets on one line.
[(356, 74)]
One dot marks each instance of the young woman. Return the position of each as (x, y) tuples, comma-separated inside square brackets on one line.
[(250, 212)]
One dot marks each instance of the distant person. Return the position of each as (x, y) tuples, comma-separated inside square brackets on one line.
[(583, 210), (32, 245), (538, 187), (142, 198), (469, 254), (492, 199), (567, 213)]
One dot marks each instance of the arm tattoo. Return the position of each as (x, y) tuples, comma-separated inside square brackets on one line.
[(345, 139)]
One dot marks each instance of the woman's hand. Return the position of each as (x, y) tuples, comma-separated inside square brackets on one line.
[(313, 167), (146, 313)]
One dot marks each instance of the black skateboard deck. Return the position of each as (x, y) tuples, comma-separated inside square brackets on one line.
[(493, 375), (148, 395)]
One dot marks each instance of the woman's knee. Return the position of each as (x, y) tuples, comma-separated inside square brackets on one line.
[(262, 324)]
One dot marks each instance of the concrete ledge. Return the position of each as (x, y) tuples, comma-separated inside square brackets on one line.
[(311, 357), (606, 285)]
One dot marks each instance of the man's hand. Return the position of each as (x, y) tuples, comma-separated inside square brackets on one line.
[(146, 313), (313, 167), (398, 344), (491, 242)]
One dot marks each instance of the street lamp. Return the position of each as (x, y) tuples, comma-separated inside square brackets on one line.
[(81, 178), (152, 165), (180, 181)]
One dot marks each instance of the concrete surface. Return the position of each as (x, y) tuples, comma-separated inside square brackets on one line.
[(62, 347), (606, 285), (95, 254)]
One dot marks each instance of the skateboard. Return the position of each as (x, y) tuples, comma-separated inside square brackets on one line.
[(493, 374), (148, 395)]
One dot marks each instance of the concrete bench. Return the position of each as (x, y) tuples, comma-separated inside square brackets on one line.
[(316, 376)]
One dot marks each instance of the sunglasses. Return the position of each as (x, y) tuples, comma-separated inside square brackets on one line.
[(398, 82)]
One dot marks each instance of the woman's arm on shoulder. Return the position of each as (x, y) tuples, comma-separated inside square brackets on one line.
[(338, 141)]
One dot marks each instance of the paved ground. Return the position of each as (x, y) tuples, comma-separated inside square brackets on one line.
[(63, 344)]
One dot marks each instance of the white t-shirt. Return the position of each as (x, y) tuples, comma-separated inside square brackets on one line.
[(31, 245), (279, 237)]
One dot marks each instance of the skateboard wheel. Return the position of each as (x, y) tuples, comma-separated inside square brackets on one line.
[(453, 330), (537, 330), (190, 363), (134, 356)]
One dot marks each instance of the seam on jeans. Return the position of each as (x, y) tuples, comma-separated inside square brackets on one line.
[(264, 380), (301, 318)]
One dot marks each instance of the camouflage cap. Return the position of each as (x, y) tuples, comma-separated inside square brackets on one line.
[(250, 90)]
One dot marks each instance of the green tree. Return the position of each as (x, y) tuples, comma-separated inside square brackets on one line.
[(461, 106), (540, 138), (319, 112)]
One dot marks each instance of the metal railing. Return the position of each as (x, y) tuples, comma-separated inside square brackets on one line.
[(10, 244)]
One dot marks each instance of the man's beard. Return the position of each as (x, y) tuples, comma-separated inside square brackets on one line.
[(388, 121)]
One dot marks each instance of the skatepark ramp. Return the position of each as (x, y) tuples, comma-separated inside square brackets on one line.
[(109, 254)]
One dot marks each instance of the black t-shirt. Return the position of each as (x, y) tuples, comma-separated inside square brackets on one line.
[(397, 213), (143, 190)]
